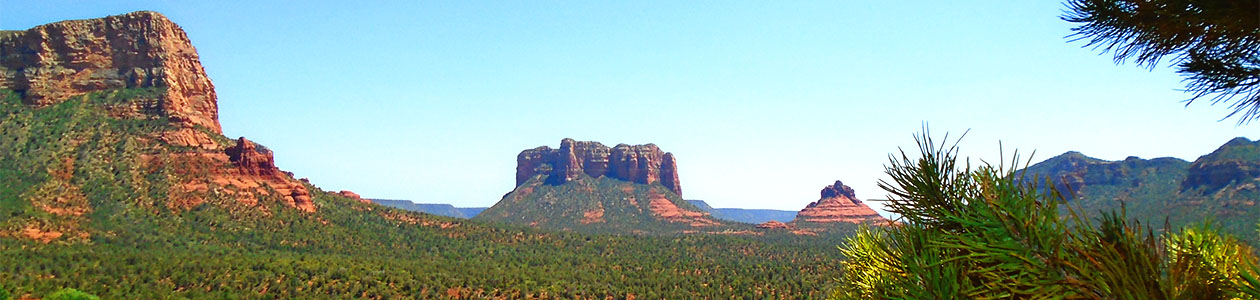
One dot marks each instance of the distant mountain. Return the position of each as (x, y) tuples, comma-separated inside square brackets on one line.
[(471, 211), (1237, 162), (588, 187), (1073, 171), (746, 215), (1223, 186), (440, 209)]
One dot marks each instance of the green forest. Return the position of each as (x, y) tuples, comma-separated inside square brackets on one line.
[(126, 243)]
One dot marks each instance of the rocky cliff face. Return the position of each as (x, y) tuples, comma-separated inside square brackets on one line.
[(256, 167), (1238, 161), (1223, 186), (645, 164), (145, 54), (51, 63), (838, 204), (1072, 171)]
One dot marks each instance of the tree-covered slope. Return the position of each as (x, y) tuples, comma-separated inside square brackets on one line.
[(102, 184), (1220, 186)]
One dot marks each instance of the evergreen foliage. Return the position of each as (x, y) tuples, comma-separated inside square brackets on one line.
[(71, 294), (1215, 43), (128, 243), (984, 233)]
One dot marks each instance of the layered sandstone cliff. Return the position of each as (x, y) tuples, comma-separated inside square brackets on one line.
[(145, 54), (838, 204), (645, 164), (50, 63), (256, 167)]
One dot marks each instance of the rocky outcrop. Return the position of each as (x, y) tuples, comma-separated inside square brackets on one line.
[(1238, 161), (838, 204), (645, 164), (355, 196), (255, 167), (838, 190), (773, 225), (663, 208), (50, 63)]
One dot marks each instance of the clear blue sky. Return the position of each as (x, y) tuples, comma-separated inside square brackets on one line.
[(763, 102)]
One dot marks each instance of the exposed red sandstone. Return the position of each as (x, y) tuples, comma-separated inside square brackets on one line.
[(353, 195), (593, 216), (50, 63), (838, 204), (665, 209), (773, 225), (645, 164), (256, 167)]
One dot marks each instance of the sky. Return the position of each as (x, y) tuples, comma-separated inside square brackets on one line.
[(762, 102)]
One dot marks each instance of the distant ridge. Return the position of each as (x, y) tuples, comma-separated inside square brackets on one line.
[(746, 215), (440, 209), (1223, 185)]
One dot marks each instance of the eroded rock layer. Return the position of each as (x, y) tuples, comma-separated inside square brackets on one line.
[(1236, 162), (50, 63), (838, 204), (645, 164), (149, 62)]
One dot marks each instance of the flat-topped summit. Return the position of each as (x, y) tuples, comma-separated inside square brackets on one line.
[(586, 186), (644, 164)]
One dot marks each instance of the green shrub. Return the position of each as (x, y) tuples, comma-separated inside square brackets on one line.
[(70, 294)]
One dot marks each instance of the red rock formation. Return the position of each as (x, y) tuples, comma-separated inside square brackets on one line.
[(50, 63), (773, 225), (645, 164), (256, 167), (355, 196), (838, 204), (838, 190), (665, 209), (593, 216)]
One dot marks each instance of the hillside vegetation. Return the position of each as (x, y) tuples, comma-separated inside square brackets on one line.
[(1222, 187), (100, 183)]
